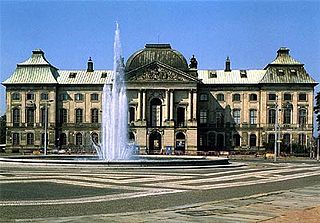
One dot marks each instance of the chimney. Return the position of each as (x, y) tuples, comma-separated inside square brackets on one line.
[(227, 69), (283, 51), (90, 65)]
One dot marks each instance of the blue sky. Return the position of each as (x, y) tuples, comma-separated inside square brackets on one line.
[(250, 32)]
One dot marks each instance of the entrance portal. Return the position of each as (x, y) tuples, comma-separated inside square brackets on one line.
[(155, 143), (180, 143)]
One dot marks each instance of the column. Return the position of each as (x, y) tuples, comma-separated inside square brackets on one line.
[(139, 106), (190, 106), (167, 105), (171, 105), (144, 105), (194, 105)]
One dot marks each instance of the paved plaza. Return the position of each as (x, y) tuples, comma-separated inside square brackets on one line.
[(241, 192)]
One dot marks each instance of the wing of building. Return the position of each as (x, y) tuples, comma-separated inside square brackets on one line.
[(173, 106)]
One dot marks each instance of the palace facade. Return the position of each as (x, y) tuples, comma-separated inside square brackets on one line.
[(173, 105)]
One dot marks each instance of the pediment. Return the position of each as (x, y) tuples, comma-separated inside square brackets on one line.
[(157, 71)]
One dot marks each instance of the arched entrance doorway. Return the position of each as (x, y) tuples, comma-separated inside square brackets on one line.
[(155, 143), (155, 112), (180, 143)]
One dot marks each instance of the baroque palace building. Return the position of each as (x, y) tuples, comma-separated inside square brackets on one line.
[(172, 105)]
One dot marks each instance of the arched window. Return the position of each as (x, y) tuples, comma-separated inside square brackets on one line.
[(94, 115), (302, 139), (287, 115), (302, 117), (132, 114), (30, 116), (220, 97), (286, 139), (16, 117), (271, 116), (253, 140), (95, 137), (236, 140), (79, 115), (181, 117), (131, 137), (236, 97), (253, 97), (30, 138), (63, 139), (63, 115), (78, 139), (155, 112), (271, 138)]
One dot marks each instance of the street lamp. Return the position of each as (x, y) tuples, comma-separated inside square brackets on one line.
[(276, 131), (46, 126)]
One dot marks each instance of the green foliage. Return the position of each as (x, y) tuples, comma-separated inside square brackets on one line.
[(3, 129)]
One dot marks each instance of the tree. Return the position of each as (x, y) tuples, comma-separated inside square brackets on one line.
[(317, 110), (3, 129)]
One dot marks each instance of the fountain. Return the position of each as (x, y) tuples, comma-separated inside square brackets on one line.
[(114, 126)]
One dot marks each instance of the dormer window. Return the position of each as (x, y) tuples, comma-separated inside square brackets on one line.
[(280, 72), (72, 74), (293, 72), (104, 75), (213, 74), (243, 73)]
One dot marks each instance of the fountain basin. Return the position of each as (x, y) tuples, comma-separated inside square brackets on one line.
[(138, 160)]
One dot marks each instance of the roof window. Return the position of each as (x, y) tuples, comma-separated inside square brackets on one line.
[(280, 72), (104, 75), (72, 74), (293, 72), (213, 74), (243, 73)]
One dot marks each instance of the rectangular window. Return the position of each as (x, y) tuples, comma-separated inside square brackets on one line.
[(203, 117), (63, 116), (63, 97), (253, 97), (30, 116), (44, 96), (287, 97), (30, 96), (287, 116), (272, 97), (30, 138), (302, 97), (253, 117), (203, 97), (236, 116), (15, 96), (94, 97), (78, 97), (79, 115), (15, 139), (220, 97)]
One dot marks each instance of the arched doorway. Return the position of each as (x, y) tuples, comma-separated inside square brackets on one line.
[(155, 143), (236, 140), (181, 117), (155, 112), (180, 143), (220, 141)]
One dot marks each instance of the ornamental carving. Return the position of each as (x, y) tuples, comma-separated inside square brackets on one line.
[(155, 73)]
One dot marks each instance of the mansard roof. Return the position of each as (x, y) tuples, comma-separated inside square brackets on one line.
[(231, 77), (82, 77), (36, 69)]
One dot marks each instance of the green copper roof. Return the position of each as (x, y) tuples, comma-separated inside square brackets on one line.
[(36, 69), (284, 58)]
